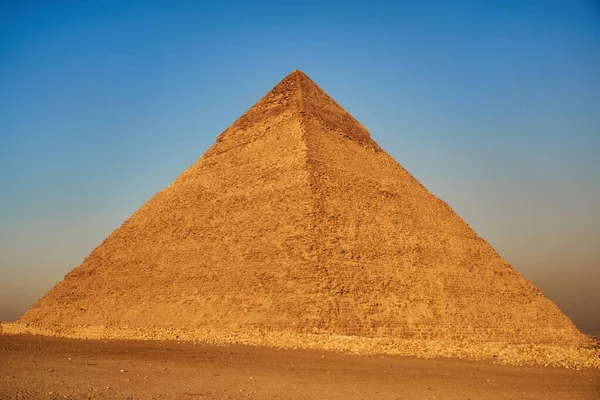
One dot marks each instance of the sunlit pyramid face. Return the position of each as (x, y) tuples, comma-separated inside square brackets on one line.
[(295, 220)]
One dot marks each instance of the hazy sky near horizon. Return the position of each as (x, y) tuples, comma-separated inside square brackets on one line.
[(493, 106)]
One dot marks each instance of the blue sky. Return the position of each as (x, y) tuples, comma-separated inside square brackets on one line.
[(493, 106)]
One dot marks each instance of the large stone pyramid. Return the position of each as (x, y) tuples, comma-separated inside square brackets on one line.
[(297, 221)]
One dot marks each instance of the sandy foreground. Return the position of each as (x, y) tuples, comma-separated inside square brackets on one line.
[(34, 367)]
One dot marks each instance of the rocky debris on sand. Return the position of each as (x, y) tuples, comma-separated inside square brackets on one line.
[(572, 357)]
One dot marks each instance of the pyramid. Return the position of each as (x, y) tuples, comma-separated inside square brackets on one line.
[(295, 220)]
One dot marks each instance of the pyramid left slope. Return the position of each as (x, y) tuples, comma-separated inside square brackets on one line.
[(226, 223)]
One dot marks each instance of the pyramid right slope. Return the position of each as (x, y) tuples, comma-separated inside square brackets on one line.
[(399, 262)]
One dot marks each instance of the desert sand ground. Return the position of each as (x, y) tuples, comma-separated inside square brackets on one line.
[(34, 367)]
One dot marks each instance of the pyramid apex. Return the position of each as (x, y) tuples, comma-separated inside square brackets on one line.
[(296, 73), (296, 93)]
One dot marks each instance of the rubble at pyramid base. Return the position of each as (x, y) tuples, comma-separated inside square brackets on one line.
[(547, 355)]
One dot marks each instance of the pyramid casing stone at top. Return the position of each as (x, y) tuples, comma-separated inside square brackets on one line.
[(295, 220)]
